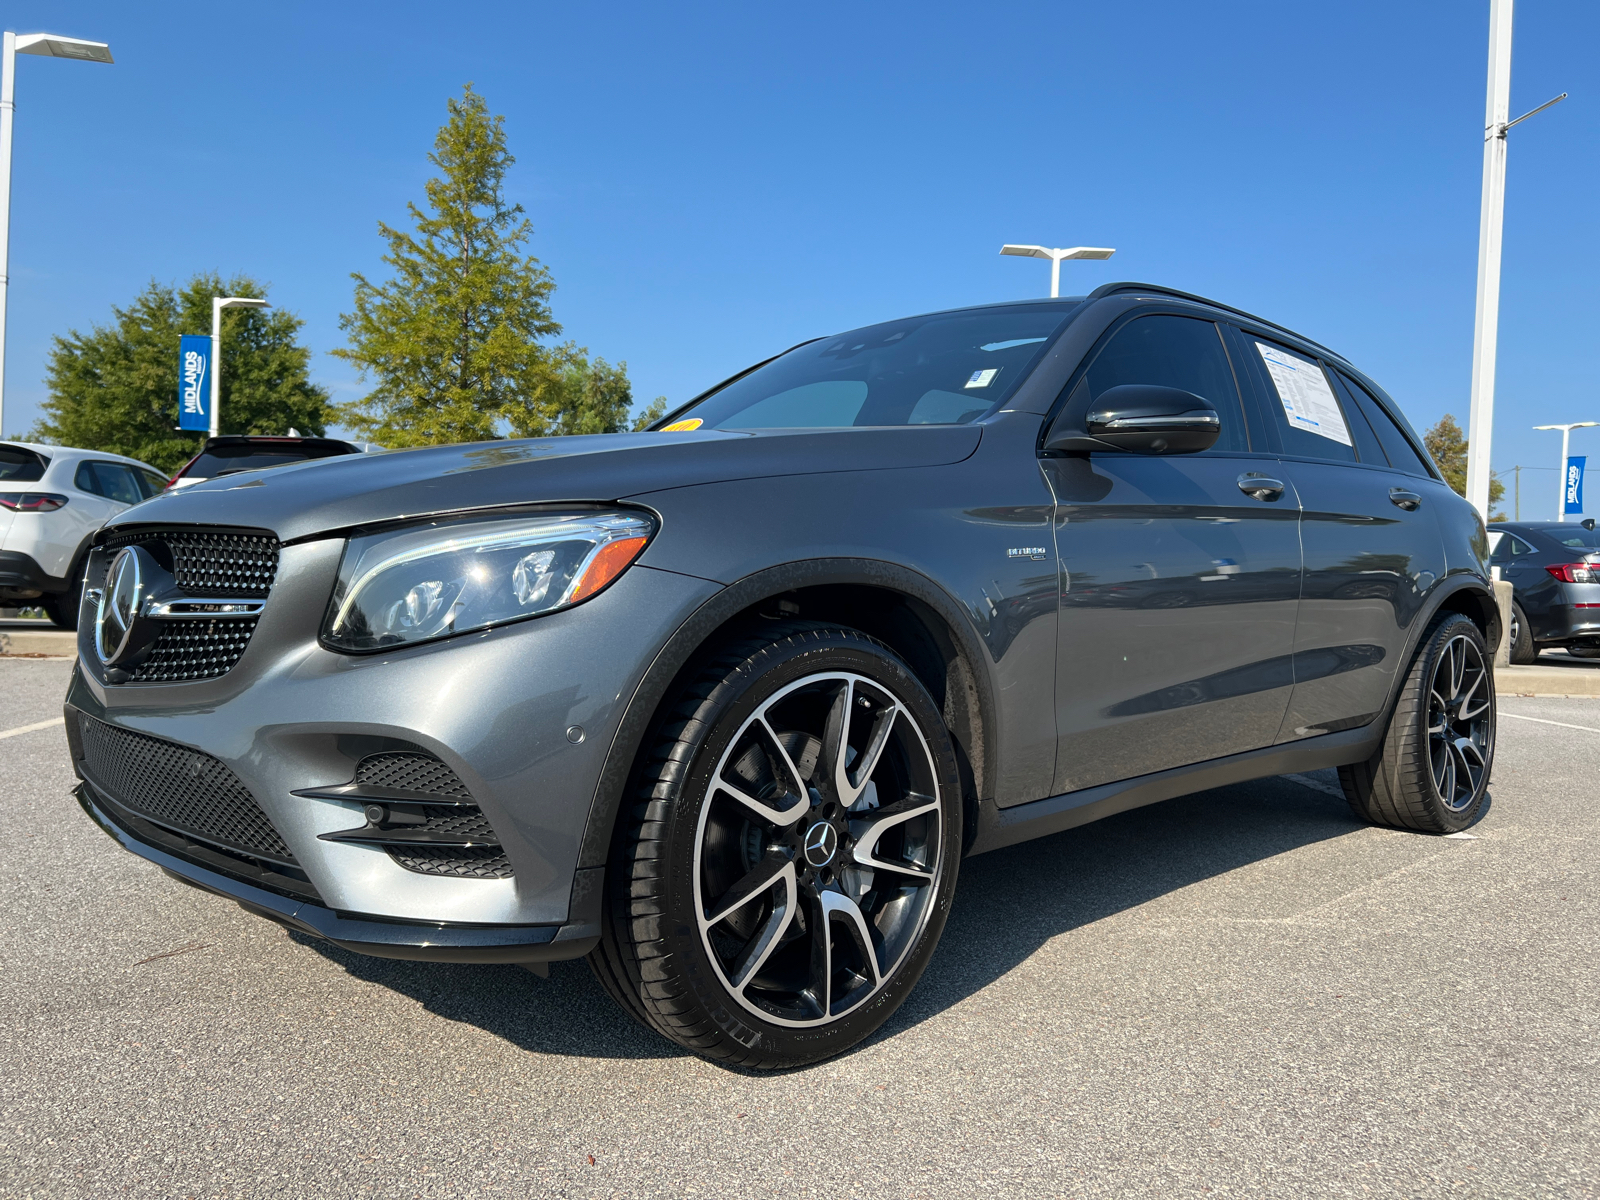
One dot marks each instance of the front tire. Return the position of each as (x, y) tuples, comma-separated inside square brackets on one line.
[(1431, 773), (789, 860)]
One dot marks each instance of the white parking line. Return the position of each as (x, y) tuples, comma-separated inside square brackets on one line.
[(21, 729), (1503, 713)]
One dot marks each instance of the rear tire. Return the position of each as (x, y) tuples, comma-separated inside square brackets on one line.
[(1431, 774), (62, 608), (788, 862), (1523, 651)]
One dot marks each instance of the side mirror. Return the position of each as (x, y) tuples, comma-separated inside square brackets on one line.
[(1142, 418)]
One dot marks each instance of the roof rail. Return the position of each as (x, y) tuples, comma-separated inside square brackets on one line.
[(1114, 289)]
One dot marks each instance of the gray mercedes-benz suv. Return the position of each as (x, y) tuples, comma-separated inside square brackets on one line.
[(723, 704)]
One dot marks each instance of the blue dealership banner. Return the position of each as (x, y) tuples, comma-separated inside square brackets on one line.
[(194, 382), (1572, 487)]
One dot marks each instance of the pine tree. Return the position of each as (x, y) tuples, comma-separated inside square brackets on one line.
[(459, 340), (115, 388), (1448, 445)]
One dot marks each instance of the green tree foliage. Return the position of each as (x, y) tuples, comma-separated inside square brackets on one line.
[(460, 339), (1448, 445), (589, 397), (115, 388)]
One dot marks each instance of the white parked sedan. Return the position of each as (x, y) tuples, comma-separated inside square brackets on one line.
[(52, 499)]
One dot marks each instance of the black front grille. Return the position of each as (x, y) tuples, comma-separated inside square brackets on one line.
[(416, 771), (210, 564), (179, 788), (195, 650), (207, 562)]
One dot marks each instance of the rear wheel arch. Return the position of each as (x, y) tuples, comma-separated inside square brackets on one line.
[(902, 608)]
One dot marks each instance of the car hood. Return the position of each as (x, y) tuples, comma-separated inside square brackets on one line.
[(321, 496)]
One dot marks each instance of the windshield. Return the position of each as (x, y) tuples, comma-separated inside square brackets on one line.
[(224, 460), (944, 369)]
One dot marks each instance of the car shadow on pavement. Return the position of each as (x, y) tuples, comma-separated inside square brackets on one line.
[(1008, 904)]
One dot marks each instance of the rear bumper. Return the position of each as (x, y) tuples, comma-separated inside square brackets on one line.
[(380, 937), (1570, 622), (21, 571)]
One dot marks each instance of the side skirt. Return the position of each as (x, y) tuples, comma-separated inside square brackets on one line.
[(999, 827)]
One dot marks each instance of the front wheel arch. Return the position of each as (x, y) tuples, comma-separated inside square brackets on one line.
[(761, 596)]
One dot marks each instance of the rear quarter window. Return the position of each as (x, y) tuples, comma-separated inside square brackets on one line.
[(1402, 454)]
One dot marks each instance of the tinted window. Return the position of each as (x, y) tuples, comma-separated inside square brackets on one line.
[(1507, 546), (111, 480), (1368, 448), (226, 459), (21, 466), (154, 484), (1402, 455), (1577, 537), (945, 369), (1175, 352), (1302, 402)]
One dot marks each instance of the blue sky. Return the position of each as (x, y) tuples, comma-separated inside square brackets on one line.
[(709, 184)]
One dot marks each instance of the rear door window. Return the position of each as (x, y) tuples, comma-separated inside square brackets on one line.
[(111, 480), (1401, 454), (1301, 401), (1168, 351), (153, 483)]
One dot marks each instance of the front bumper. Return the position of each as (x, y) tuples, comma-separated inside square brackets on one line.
[(437, 941), (496, 707)]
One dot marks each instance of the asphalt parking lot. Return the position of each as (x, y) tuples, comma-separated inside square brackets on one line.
[(1241, 992)]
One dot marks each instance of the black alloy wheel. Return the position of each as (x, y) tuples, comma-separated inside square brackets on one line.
[(797, 852), (1431, 772), (1460, 722)]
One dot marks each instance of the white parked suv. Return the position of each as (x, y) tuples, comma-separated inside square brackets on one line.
[(52, 499)]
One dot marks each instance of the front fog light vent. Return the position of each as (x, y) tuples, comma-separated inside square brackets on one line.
[(418, 810)]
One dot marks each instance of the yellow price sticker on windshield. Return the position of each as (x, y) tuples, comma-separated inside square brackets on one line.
[(683, 426)]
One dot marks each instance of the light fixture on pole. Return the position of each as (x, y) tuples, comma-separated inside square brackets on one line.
[(1480, 419), (1055, 257), (51, 46), (1561, 471), (218, 303)]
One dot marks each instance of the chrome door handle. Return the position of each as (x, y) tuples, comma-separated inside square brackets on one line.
[(1260, 487), (1401, 498)]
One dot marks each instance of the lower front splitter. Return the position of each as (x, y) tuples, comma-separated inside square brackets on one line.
[(362, 933)]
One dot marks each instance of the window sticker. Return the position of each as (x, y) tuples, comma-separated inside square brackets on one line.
[(1308, 401), (983, 378)]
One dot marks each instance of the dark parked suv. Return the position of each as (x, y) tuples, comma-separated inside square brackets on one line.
[(1554, 569), (722, 705)]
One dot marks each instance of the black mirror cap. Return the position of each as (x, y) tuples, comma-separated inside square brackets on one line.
[(1143, 418)]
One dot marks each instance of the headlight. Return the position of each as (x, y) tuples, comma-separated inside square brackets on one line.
[(446, 577)]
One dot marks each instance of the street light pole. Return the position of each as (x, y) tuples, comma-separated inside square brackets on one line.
[(1561, 469), (51, 46), (218, 303), (1486, 331), (1056, 256)]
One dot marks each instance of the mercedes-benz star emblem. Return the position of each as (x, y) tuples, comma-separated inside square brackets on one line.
[(126, 585), (822, 840)]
